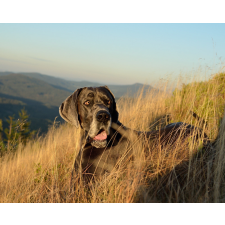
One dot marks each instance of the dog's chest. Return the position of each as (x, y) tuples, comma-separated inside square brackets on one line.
[(100, 160)]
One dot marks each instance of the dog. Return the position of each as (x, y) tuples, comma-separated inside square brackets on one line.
[(104, 140)]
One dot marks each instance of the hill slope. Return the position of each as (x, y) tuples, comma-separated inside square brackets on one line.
[(21, 86), (40, 99)]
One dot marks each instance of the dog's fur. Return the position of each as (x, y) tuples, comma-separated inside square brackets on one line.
[(94, 110)]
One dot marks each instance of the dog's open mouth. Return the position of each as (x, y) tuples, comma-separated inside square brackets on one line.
[(100, 140), (101, 135)]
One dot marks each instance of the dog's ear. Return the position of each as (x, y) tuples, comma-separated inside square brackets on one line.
[(68, 109), (115, 112)]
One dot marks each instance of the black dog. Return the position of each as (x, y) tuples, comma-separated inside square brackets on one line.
[(104, 139)]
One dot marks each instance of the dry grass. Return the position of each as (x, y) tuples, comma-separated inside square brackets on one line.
[(184, 172)]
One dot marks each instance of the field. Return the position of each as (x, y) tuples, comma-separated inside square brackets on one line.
[(184, 172)]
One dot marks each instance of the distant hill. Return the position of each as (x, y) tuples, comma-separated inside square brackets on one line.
[(59, 83), (41, 95), (40, 99), (21, 86)]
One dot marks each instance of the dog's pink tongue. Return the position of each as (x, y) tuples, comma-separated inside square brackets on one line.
[(101, 136)]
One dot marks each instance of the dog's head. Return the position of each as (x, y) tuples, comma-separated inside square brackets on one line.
[(93, 109)]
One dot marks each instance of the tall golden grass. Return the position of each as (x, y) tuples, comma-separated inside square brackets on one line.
[(184, 172)]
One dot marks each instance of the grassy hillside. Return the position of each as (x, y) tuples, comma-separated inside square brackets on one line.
[(40, 171), (206, 99)]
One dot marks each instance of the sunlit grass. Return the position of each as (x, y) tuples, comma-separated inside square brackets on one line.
[(184, 172)]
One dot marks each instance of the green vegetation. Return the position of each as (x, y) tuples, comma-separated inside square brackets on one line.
[(18, 132), (206, 99)]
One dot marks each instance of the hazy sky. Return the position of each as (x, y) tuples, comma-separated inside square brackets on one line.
[(112, 53)]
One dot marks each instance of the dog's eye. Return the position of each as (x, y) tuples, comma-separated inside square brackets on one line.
[(87, 103), (108, 102)]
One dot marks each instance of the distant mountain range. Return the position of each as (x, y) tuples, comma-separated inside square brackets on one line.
[(41, 95), (71, 86)]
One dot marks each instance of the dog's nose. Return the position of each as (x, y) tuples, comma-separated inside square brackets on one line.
[(103, 116)]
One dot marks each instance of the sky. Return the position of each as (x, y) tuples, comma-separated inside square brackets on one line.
[(113, 53)]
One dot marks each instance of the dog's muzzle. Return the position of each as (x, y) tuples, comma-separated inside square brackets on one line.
[(100, 128)]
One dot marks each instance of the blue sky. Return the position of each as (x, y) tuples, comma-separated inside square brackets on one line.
[(113, 53)]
